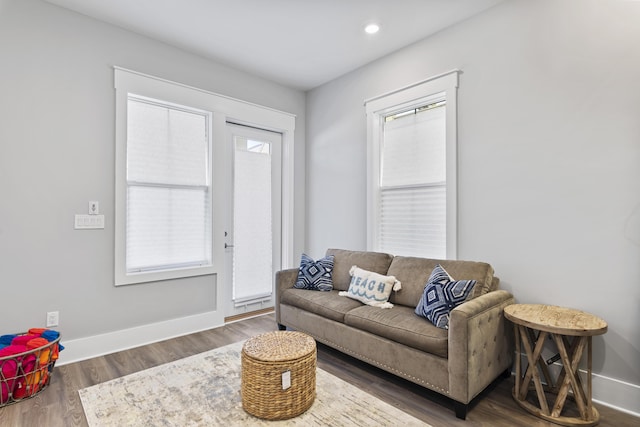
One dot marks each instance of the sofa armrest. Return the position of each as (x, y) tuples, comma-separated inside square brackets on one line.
[(285, 279), (480, 344)]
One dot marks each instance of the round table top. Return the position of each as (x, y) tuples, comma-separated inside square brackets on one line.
[(279, 346), (556, 320)]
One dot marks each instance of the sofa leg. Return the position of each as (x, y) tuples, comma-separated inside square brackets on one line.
[(461, 410), (281, 327)]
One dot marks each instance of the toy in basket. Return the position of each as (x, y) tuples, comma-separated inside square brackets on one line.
[(26, 363)]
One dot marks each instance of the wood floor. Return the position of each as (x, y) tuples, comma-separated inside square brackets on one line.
[(59, 404)]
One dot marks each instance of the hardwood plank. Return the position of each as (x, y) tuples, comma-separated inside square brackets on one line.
[(60, 404)]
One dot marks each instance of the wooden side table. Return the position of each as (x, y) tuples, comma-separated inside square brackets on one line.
[(533, 323)]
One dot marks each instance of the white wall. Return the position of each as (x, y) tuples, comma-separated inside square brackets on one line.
[(549, 148), (57, 153)]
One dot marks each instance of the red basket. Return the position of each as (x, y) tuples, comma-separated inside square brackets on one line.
[(24, 375)]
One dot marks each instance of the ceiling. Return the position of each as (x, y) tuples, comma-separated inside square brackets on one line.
[(297, 43)]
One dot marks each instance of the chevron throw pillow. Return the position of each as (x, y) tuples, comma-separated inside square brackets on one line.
[(315, 275), (441, 295)]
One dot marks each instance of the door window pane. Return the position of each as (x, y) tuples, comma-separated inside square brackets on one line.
[(253, 235)]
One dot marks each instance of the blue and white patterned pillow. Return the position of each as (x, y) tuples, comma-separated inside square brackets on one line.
[(315, 275), (441, 295)]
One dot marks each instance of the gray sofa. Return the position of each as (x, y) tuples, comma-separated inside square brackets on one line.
[(458, 362)]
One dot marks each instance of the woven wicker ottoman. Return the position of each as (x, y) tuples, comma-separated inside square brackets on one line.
[(278, 374)]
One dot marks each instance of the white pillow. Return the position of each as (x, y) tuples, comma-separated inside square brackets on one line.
[(371, 288)]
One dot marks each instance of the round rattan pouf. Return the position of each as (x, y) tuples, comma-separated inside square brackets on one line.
[(278, 374)]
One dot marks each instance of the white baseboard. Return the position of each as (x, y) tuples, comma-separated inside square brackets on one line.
[(620, 395), (616, 394), (111, 342)]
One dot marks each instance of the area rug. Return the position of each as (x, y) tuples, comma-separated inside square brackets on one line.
[(204, 390)]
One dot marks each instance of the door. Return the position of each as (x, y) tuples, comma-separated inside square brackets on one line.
[(253, 229)]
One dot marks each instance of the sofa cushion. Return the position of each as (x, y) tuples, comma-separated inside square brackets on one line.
[(414, 274), (327, 304), (343, 260), (315, 275), (441, 295), (401, 325)]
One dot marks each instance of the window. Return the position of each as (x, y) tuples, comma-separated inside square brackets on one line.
[(253, 207), (412, 170), (168, 223), (165, 196), (413, 183)]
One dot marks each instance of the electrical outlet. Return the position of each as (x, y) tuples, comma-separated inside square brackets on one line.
[(53, 318)]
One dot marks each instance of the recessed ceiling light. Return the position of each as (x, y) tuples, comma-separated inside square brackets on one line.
[(372, 28)]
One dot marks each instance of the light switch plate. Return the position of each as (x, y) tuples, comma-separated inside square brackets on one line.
[(87, 222)]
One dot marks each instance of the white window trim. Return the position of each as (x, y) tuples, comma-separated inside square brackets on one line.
[(405, 98), (224, 109)]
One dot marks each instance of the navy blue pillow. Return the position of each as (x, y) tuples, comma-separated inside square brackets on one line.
[(315, 275), (441, 295)]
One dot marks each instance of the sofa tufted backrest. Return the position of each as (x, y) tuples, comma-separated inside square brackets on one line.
[(413, 273), (344, 259)]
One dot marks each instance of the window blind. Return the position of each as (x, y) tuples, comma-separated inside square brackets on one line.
[(413, 183), (253, 234), (413, 221), (168, 217)]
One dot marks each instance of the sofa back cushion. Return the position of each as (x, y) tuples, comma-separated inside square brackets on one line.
[(414, 273), (343, 260)]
